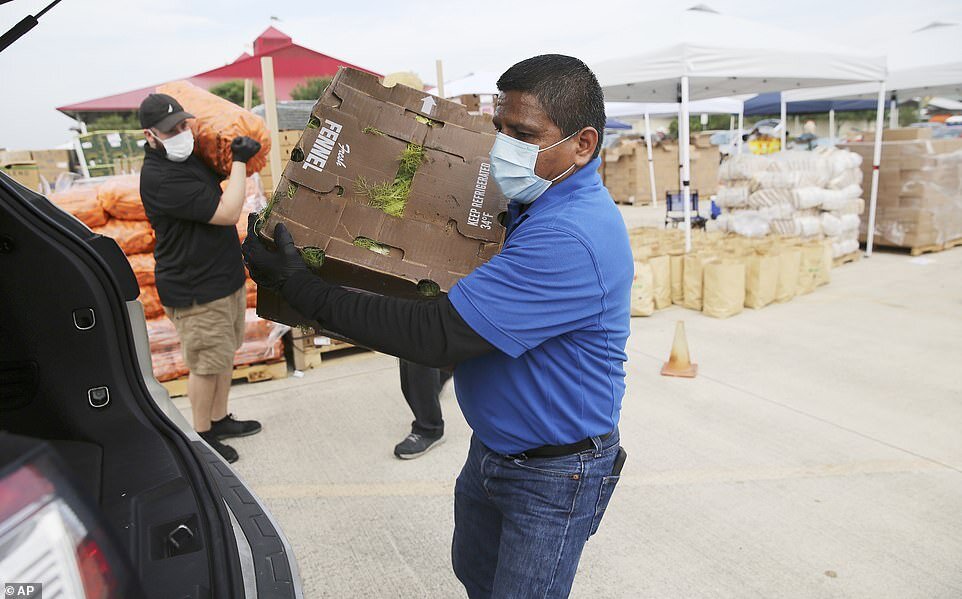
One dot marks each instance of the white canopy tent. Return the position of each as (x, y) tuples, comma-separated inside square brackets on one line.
[(713, 55), (926, 62), (637, 109)]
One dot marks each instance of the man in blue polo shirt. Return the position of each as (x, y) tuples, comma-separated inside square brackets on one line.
[(537, 336)]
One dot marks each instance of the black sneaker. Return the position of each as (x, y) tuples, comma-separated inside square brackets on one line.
[(415, 445), (226, 451), (228, 427)]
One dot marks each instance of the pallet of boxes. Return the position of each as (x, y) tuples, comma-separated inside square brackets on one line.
[(387, 192), (919, 204), (624, 169), (723, 273)]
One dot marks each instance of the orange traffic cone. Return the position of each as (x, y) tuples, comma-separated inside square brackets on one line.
[(679, 363)]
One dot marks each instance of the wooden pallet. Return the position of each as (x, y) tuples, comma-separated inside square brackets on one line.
[(936, 247), (845, 259), (252, 373), (305, 359)]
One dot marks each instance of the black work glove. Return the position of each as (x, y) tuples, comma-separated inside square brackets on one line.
[(244, 148), (271, 268)]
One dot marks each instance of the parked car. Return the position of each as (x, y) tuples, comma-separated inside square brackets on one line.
[(102, 481)]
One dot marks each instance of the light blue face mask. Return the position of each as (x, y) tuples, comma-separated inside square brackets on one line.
[(512, 166)]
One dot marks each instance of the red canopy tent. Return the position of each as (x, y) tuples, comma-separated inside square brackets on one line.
[(292, 65)]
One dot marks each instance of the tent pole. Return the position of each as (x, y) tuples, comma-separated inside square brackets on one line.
[(731, 132), (784, 131), (651, 162), (876, 158), (831, 126), (683, 141), (893, 113), (741, 127)]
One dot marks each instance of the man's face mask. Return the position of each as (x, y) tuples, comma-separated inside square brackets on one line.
[(512, 166), (180, 146)]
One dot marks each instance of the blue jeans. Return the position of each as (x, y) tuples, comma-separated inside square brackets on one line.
[(520, 524)]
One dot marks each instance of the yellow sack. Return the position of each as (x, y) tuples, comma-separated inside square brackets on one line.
[(761, 280), (693, 266), (828, 258), (677, 267), (789, 263), (724, 288), (661, 281), (810, 270), (642, 297)]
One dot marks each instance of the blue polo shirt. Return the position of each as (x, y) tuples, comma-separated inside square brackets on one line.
[(555, 302)]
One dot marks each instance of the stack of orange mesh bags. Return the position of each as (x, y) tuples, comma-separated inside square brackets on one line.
[(112, 207)]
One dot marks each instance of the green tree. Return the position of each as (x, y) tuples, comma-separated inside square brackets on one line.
[(233, 91), (310, 89), (114, 122)]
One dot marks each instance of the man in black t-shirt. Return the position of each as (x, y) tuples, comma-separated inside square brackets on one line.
[(199, 272)]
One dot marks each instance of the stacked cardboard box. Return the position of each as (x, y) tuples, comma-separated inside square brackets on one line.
[(51, 163), (920, 188), (625, 170), (288, 141), (24, 172)]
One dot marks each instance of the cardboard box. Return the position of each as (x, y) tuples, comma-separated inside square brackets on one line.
[(626, 171), (451, 222), (15, 156), (901, 134), (24, 172), (51, 163), (288, 141)]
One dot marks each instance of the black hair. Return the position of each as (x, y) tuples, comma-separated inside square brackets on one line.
[(565, 87)]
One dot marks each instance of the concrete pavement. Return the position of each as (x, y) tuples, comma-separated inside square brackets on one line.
[(817, 455)]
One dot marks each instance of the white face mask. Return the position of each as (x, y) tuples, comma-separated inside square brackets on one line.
[(179, 147), (512, 166)]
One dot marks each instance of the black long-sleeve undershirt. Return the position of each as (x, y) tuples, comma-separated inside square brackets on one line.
[(427, 332)]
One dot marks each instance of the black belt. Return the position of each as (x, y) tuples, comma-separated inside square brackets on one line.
[(556, 451)]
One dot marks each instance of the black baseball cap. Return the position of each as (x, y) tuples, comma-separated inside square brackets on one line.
[(161, 111)]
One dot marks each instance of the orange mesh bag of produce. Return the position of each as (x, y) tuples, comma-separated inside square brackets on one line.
[(82, 202), (258, 345), (133, 236), (218, 122), (165, 352), (143, 267), (120, 197), (151, 301)]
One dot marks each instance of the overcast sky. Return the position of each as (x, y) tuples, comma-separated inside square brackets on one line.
[(85, 49)]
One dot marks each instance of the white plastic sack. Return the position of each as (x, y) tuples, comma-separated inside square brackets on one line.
[(809, 226), (850, 222), (831, 225), (732, 196), (748, 224)]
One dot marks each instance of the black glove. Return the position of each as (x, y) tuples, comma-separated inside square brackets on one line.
[(271, 268), (244, 148)]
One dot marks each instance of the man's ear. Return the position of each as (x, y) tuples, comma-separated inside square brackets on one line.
[(587, 142), (149, 136)]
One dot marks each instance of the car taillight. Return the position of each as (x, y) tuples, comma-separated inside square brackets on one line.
[(42, 540), (94, 571)]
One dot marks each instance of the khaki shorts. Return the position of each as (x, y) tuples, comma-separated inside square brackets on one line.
[(210, 333)]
